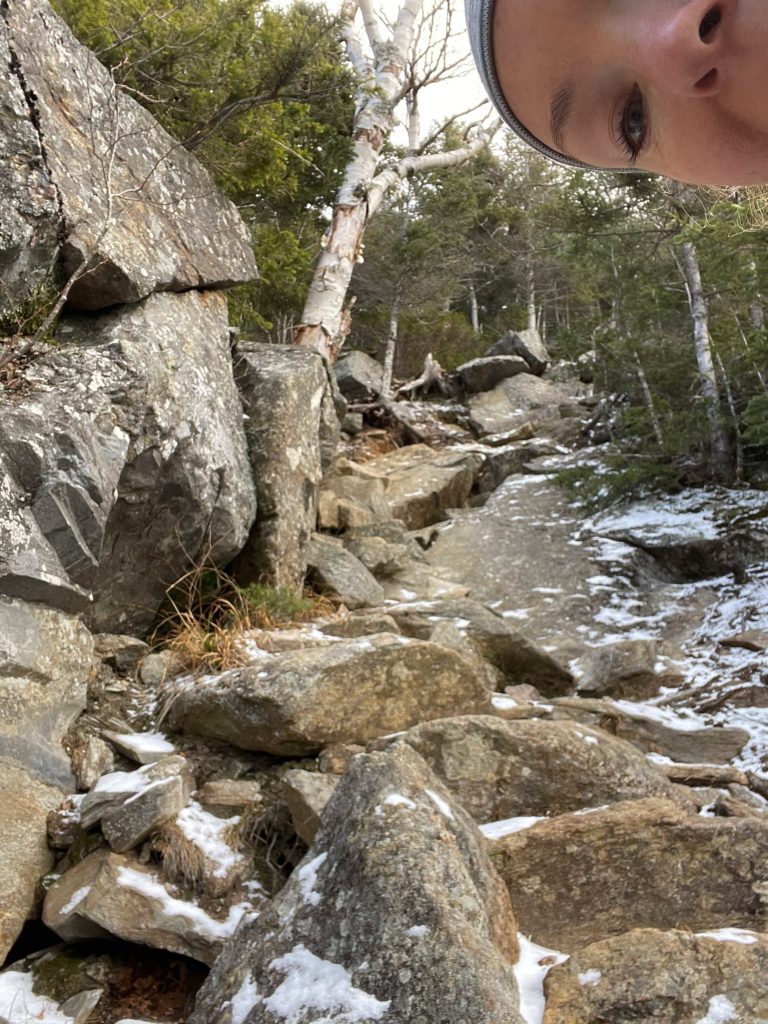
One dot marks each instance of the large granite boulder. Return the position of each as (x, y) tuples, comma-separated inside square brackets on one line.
[(415, 484), (131, 453), (624, 668), (29, 217), (157, 222), (25, 856), (484, 374), (358, 376), (349, 692), (283, 389), (46, 660), (655, 977), (395, 914), (515, 401), (518, 658), (527, 345), (499, 770), (108, 894), (580, 878)]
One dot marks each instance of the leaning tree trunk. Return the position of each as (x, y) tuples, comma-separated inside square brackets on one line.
[(702, 343), (381, 86)]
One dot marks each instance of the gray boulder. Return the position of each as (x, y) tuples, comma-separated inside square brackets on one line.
[(46, 659), (527, 345), (159, 223), (649, 732), (498, 770), (519, 659), (484, 374), (396, 907), (25, 856), (349, 692), (656, 977), (307, 794), (513, 403), (283, 388), (337, 571), (29, 217), (158, 378), (625, 668), (109, 894), (358, 376), (580, 878)]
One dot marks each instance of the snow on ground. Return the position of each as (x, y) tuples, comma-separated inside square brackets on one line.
[(20, 1005), (508, 827), (208, 833)]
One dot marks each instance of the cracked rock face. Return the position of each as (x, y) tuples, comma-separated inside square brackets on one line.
[(131, 453), (157, 222), (29, 215)]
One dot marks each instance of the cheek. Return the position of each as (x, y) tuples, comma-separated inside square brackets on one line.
[(707, 146)]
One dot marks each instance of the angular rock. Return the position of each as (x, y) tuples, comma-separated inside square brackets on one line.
[(362, 624), (358, 376), (349, 692), (498, 770), (580, 878), (91, 758), (282, 387), (519, 659), (156, 378), (336, 570), (141, 747), (397, 882), (124, 654), (655, 732), (525, 344), (25, 856), (626, 668), (346, 502), (514, 402), (307, 794), (46, 660), (108, 894), (421, 483), (656, 977), (505, 460), (113, 791), (334, 760), (750, 640), (139, 815), (169, 228), (484, 374), (378, 556), (29, 218)]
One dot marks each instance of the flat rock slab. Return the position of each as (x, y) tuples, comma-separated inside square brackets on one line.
[(25, 856), (656, 977), (349, 692), (498, 770), (159, 223), (394, 915), (109, 894), (526, 344), (484, 374), (655, 731), (581, 878)]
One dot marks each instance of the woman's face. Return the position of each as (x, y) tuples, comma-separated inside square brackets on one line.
[(679, 87)]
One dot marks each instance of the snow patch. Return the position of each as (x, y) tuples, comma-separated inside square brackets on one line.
[(721, 1010), (244, 1000), (308, 879), (442, 805), (20, 1005), (591, 977), (398, 800), (319, 985), (207, 832), (530, 971), (75, 900), (746, 938), (508, 827)]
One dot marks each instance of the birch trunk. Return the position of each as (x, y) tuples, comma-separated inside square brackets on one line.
[(703, 347), (649, 403), (382, 70), (474, 312)]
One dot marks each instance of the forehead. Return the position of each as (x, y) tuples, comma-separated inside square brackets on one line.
[(540, 45)]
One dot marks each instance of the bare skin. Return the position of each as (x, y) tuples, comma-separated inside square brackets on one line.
[(679, 87)]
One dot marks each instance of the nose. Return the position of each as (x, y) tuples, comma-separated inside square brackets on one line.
[(680, 48)]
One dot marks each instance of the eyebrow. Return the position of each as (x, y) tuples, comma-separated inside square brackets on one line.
[(560, 111)]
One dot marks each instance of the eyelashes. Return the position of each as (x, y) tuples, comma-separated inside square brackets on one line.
[(631, 126)]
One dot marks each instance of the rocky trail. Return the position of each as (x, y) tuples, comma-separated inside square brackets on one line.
[(520, 775), (509, 767)]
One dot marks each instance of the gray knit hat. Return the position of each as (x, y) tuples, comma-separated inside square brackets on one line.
[(480, 24)]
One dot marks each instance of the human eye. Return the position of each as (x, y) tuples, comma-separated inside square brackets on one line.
[(631, 126)]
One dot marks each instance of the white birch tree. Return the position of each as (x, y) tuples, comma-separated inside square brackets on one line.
[(394, 62)]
